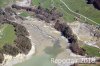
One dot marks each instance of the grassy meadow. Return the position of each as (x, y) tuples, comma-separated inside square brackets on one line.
[(92, 51), (79, 6), (85, 9), (7, 34)]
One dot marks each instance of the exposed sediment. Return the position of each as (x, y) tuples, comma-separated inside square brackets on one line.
[(88, 34), (53, 17), (61, 26)]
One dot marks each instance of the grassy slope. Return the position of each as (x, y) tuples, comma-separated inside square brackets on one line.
[(48, 3), (8, 36), (92, 51), (66, 14), (24, 14), (84, 9), (76, 5), (80, 5)]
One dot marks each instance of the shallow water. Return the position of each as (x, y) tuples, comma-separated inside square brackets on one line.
[(44, 60)]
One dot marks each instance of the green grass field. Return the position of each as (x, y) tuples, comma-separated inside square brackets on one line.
[(84, 9), (7, 34), (76, 5), (24, 14), (92, 51), (3, 3)]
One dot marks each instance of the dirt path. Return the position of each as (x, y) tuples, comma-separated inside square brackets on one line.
[(77, 13)]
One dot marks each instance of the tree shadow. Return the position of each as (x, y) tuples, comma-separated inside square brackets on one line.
[(95, 3)]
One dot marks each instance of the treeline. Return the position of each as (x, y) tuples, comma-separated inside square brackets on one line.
[(47, 14), (72, 39), (42, 13)]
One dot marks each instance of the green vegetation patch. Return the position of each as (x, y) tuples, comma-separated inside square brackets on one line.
[(92, 51), (79, 6), (83, 8), (7, 34), (67, 15), (24, 14)]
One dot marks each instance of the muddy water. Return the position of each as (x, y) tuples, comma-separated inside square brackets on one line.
[(44, 37)]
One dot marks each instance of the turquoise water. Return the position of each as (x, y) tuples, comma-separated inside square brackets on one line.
[(44, 60)]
